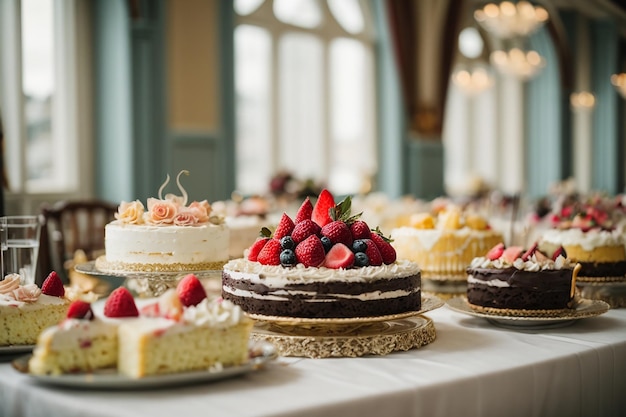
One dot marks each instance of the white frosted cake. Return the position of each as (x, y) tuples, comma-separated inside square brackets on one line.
[(169, 236)]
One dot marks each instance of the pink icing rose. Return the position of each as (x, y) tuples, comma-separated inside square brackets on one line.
[(185, 217), (161, 211), (10, 283), (130, 212), (201, 210), (27, 293)]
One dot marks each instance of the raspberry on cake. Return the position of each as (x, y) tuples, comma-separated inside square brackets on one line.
[(26, 310), (169, 236), (326, 264), (517, 282)]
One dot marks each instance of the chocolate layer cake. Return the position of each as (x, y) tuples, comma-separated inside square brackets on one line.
[(306, 292), (511, 288), (511, 281)]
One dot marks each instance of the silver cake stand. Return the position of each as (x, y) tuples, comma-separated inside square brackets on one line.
[(349, 337)]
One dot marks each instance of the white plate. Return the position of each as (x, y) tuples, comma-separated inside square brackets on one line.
[(584, 309), (13, 350), (261, 353)]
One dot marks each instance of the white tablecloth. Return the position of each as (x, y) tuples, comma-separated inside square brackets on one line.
[(472, 369)]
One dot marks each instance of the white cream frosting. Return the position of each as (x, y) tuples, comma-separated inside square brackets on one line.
[(76, 333), (532, 264), (280, 276), (283, 295), (154, 244), (213, 313), (587, 240), (42, 301), (490, 283), (428, 238)]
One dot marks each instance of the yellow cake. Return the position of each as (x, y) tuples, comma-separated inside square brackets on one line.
[(213, 333), (180, 331), (444, 245), (601, 253), (25, 311)]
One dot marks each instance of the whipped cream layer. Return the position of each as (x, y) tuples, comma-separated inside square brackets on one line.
[(41, 302), (587, 240), (153, 244), (279, 275), (77, 333)]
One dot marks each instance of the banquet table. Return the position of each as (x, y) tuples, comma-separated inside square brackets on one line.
[(473, 368)]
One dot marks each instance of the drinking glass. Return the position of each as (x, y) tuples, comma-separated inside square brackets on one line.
[(22, 247)]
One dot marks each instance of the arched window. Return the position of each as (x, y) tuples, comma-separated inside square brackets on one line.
[(305, 87)]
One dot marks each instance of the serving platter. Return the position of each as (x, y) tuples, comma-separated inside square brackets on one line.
[(584, 309), (261, 353)]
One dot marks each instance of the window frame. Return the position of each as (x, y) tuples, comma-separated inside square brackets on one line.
[(329, 30), (73, 145)]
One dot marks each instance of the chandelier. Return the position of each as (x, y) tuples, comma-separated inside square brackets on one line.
[(515, 62), (472, 81), (619, 82), (582, 100), (508, 20)]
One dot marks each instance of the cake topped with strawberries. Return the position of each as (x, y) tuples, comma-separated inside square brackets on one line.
[(182, 330), (25, 310), (540, 280), (324, 263)]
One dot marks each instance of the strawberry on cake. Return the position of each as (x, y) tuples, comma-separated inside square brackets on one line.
[(182, 330), (325, 263), (516, 282), (26, 310)]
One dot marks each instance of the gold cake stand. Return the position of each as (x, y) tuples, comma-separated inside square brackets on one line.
[(350, 337)]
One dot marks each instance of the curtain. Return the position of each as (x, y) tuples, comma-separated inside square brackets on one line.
[(424, 34)]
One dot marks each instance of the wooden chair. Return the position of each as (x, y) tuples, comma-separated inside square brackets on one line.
[(69, 226)]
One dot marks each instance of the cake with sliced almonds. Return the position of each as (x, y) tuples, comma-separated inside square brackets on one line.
[(516, 282), (326, 263)]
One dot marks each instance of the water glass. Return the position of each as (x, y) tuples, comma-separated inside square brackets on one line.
[(22, 247)]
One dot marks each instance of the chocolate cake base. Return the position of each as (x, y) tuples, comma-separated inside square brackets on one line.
[(602, 271), (320, 299), (520, 290)]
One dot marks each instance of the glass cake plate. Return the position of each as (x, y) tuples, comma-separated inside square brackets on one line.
[(429, 303), (584, 309), (261, 353)]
